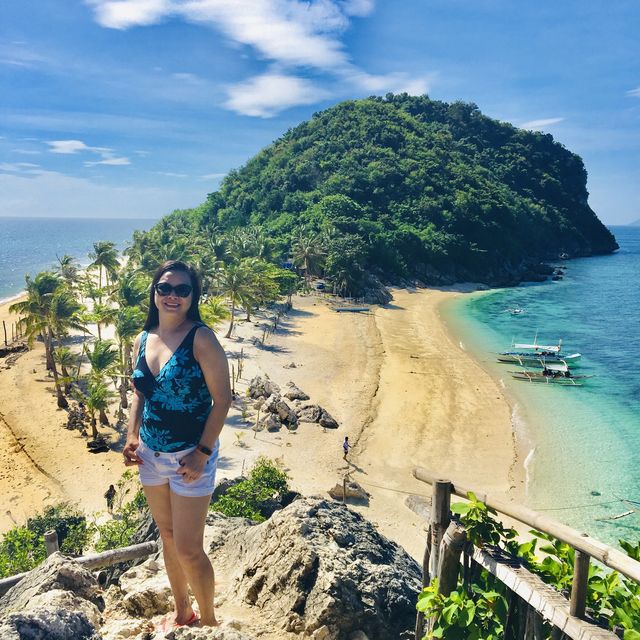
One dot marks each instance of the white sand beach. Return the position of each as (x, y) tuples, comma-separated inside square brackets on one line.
[(399, 385)]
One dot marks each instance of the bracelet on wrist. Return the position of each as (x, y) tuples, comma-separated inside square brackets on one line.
[(204, 449)]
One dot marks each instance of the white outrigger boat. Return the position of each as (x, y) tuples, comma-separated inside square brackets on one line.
[(538, 354), (551, 374)]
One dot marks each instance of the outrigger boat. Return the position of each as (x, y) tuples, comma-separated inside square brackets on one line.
[(551, 374), (538, 354)]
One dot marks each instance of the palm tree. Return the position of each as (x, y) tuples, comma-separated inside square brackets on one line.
[(236, 283), (104, 257), (103, 360), (128, 323), (96, 399), (69, 268), (308, 254), (67, 360), (214, 310), (101, 315), (132, 289), (49, 311)]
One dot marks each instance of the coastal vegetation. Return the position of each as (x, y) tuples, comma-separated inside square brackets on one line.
[(394, 187), (481, 606)]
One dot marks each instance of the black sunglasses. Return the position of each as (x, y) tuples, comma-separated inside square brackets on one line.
[(181, 290)]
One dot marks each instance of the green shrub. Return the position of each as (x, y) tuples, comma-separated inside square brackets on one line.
[(245, 499), (69, 523)]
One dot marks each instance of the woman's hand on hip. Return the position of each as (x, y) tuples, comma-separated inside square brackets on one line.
[(131, 458), (192, 465)]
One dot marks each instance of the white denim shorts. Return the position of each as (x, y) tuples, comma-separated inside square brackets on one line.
[(160, 468)]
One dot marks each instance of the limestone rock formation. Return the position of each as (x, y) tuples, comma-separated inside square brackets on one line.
[(315, 413), (319, 569), (58, 600)]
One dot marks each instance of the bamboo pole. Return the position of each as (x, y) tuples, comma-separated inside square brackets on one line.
[(96, 561), (600, 551), (420, 620), (439, 521), (51, 542), (579, 585)]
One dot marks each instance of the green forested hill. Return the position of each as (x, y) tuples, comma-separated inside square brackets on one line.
[(411, 187)]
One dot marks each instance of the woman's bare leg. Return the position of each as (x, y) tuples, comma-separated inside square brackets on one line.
[(189, 515), (159, 499)]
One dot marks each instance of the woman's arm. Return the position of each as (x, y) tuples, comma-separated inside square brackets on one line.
[(135, 417)]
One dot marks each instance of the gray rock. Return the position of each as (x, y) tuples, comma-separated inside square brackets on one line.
[(277, 406), (47, 624), (260, 387), (294, 393), (317, 564), (58, 600), (354, 490), (57, 572), (327, 421), (271, 422), (309, 413)]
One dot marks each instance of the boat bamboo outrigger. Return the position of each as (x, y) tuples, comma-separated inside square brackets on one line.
[(538, 354), (551, 374)]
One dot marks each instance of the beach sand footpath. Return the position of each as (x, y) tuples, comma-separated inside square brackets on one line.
[(404, 392), (400, 387)]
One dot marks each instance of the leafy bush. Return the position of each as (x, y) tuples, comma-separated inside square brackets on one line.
[(477, 609), (266, 481), (22, 548)]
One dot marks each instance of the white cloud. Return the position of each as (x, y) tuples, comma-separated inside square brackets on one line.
[(213, 176), (108, 161), (535, 125), (18, 167), (75, 146), (634, 92), (268, 94), (170, 174), (291, 34), (27, 152)]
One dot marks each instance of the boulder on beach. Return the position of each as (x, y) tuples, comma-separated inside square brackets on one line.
[(295, 393), (260, 387), (353, 490)]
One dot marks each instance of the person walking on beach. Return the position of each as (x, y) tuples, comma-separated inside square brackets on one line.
[(345, 448), (181, 399), (110, 496)]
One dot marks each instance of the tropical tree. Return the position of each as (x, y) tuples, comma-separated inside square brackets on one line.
[(69, 269), (128, 323), (96, 400), (236, 282), (103, 359), (308, 254), (101, 315), (104, 257), (214, 311), (49, 311), (67, 360), (132, 289)]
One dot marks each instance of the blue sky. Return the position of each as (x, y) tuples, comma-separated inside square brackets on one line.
[(137, 107)]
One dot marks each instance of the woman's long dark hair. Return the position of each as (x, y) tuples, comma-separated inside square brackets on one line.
[(174, 265)]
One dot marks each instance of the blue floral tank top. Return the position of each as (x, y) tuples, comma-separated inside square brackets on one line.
[(177, 400)]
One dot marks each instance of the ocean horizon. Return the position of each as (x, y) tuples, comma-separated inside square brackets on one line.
[(31, 245), (581, 444)]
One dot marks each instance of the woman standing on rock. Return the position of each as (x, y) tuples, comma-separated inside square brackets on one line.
[(181, 399)]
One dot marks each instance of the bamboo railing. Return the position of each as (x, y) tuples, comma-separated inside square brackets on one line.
[(94, 561), (567, 617)]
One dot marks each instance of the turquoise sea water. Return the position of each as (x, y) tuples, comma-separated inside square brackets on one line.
[(29, 245), (583, 442)]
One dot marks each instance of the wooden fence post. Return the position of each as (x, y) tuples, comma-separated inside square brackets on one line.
[(4, 326), (453, 542), (51, 542), (579, 585), (439, 521)]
